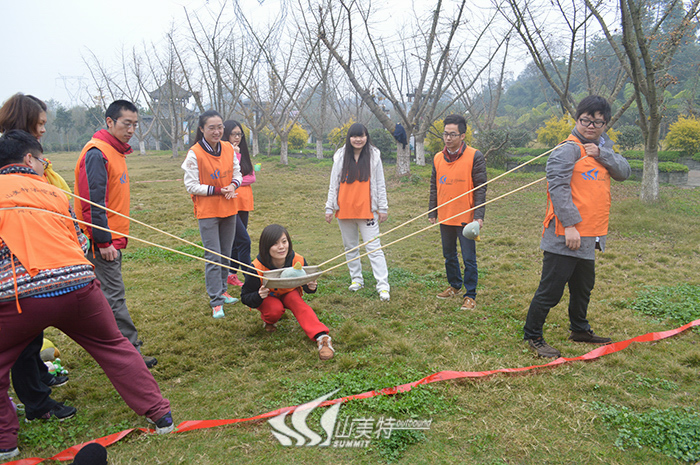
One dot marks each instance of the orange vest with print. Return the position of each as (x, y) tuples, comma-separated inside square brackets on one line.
[(590, 192), (454, 179), (25, 231), (274, 291), (117, 194), (218, 172)]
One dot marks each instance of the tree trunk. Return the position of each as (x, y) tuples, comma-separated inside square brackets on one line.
[(319, 149), (142, 146), (650, 177), (420, 150), (284, 143), (173, 136), (254, 143), (403, 160)]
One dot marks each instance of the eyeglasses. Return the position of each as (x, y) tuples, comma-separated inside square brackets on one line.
[(588, 123), (450, 135), (43, 162), (129, 125), (236, 134)]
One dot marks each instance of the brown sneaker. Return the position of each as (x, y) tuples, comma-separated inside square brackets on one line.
[(325, 349), (543, 349), (468, 304), (589, 336), (269, 328), (447, 293)]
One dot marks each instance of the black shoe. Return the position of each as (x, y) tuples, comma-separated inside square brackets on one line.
[(57, 381), (589, 337), (60, 412), (543, 349), (149, 361), (164, 425)]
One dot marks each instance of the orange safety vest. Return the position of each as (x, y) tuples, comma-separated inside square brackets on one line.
[(590, 192), (274, 291), (117, 194), (218, 172), (244, 199), (454, 179), (26, 231)]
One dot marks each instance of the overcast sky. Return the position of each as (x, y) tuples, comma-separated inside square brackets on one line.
[(45, 41)]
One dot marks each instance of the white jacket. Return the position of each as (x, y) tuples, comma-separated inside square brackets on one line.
[(377, 187)]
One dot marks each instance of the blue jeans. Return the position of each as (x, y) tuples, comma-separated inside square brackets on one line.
[(450, 235)]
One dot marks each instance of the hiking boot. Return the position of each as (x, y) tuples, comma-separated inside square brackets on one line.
[(149, 361), (447, 293), (325, 349), (543, 349), (164, 424), (57, 381), (228, 299), (233, 280), (217, 312), (468, 304), (59, 411), (8, 453), (384, 296), (355, 286), (270, 328), (589, 336)]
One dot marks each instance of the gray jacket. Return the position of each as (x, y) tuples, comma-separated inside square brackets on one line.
[(560, 167), (377, 186)]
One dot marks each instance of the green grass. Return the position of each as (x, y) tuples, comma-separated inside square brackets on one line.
[(646, 281)]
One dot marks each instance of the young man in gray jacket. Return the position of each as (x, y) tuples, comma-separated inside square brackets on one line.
[(576, 223)]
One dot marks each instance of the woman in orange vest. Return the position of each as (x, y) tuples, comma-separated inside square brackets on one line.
[(212, 175), (357, 195), (30, 377), (276, 252), (233, 133)]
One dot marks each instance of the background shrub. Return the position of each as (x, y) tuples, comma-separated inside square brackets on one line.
[(684, 135)]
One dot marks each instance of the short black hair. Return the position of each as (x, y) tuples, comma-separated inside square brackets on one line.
[(114, 110), (15, 144), (594, 104), (458, 120)]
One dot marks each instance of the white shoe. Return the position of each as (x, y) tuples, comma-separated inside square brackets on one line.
[(384, 295), (9, 454), (355, 286)]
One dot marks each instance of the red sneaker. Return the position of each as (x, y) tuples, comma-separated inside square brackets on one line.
[(233, 280)]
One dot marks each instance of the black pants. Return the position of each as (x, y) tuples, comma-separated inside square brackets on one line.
[(557, 272), (30, 377)]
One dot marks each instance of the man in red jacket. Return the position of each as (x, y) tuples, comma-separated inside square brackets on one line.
[(101, 176)]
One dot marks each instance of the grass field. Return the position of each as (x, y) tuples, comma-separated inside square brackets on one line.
[(636, 406)]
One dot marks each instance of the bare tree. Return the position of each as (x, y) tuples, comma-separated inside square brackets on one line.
[(649, 40), (414, 82)]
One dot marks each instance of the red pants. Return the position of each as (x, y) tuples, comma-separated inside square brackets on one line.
[(272, 309), (86, 317)]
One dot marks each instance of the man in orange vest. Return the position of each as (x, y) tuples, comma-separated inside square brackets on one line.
[(576, 223), (47, 281), (101, 176), (456, 170)]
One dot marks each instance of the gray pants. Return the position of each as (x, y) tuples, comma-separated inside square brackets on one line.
[(110, 276), (217, 235)]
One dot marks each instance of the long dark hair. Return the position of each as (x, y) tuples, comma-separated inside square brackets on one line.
[(21, 112), (202, 121), (269, 237), (356, 171), (246, 164)]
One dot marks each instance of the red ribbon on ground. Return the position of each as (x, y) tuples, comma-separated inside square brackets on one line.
[(69, 453)]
